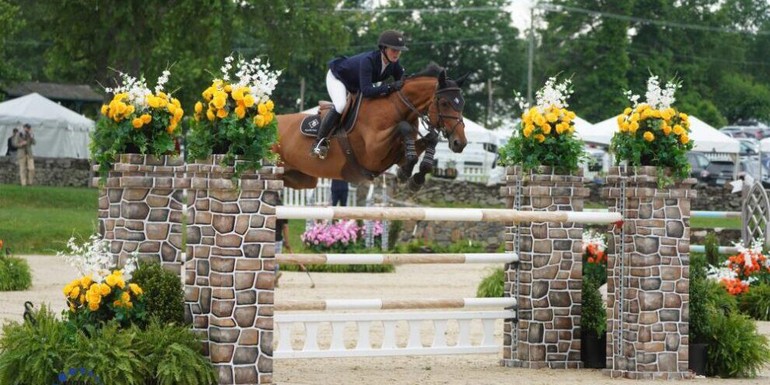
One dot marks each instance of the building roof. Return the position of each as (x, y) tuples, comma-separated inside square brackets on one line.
[(55, 91)]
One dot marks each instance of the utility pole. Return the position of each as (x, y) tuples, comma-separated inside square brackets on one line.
[(490, 103), (531, 54)]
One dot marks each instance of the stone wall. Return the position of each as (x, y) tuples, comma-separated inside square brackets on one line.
[(62, 172)]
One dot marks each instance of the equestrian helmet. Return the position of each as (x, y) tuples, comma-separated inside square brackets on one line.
[(392, 39)]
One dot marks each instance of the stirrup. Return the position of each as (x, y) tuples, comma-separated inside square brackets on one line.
[(320, 149)]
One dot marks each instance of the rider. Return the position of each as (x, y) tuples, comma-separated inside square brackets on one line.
[(358, 74)]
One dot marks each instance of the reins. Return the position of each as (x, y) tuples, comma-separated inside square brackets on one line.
[(425, 118)]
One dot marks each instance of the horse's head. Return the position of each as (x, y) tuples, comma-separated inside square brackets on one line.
[(446, 114)]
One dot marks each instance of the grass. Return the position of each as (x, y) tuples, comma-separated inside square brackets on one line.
[(40, 219)]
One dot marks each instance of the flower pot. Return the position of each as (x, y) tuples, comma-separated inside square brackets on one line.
[(593, 351), (451, 173), (698, 356)]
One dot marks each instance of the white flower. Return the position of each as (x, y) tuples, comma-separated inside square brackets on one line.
[(658, 98), (94, 258), (254, 75), (553, 95), (592, 237), (137, 89)]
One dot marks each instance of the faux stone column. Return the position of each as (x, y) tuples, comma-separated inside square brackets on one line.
[(648, 278), (230, 275), (141, 208), (548, 281)]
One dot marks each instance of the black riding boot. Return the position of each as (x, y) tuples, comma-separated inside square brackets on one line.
[(321, 145)]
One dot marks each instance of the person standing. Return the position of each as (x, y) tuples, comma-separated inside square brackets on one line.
[(23, 143), (11, 146), (339, 192)]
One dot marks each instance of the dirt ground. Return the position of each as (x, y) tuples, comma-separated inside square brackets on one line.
[(408, 282)]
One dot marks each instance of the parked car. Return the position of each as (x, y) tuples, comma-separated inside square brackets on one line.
[(699, 167), (722, 171), (749, 147)]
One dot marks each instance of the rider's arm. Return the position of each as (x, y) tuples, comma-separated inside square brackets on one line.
[(398, 71), (365, 71)]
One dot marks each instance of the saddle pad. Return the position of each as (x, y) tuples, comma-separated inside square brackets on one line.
[(310, 124)]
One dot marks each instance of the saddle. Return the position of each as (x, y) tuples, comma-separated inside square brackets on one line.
[(310, 124)]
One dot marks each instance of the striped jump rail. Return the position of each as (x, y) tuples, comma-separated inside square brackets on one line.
[(393, 259), (444, 214), (394, 304)]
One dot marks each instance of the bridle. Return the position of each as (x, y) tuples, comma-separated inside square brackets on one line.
[(425, 116)]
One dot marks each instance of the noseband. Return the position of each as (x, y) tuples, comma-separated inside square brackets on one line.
[(457, 105)]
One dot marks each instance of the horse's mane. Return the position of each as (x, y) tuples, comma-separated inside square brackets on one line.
[(432, 70)]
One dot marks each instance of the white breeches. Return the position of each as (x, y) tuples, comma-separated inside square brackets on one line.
[(337, 91)]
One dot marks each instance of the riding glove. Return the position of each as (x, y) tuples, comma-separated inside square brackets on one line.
[(395, 86)]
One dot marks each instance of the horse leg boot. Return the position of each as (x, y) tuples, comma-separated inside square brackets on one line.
[(426, 166), (410, 151), (321, 145)]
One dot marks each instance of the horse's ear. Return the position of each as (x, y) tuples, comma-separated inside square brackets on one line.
[(462, 79), (442, 79)]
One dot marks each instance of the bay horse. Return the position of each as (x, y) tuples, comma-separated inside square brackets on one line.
[(383, 135)]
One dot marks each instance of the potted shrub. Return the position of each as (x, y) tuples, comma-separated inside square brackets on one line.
[(593, 322), (699, 321), (235, 117), (652, 133), (137, 120), (546, 134), (451, 171)]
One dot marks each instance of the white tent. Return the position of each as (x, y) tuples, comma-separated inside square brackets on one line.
[(59, 132), (705, 138)]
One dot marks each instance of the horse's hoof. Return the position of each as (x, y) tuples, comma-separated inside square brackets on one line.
[(402, 175), (415, 183)]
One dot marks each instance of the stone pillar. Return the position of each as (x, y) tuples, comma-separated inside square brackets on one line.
[(648, 278), (548, 280), (141, 208), (230, 275)]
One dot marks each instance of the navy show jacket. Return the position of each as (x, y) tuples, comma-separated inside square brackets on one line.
[(360, 72)]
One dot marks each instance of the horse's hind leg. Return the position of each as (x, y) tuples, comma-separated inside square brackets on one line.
[(405, 170), (426, 166)]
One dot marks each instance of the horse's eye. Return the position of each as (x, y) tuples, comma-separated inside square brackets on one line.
[(443, 103)]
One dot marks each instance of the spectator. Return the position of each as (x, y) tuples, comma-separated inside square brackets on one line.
[(11, 148), (339, 192), (23, 143), (281, 239)]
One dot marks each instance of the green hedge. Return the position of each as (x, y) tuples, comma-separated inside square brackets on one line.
[(14, 274)]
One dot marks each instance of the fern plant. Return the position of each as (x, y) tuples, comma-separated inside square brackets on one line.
[(756, 302), (172, 354)]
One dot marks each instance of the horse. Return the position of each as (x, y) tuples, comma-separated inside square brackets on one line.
[(383, 135)]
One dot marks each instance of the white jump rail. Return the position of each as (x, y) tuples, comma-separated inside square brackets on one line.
[(443, 214), (390, 344), (394, 304), (393, 259)]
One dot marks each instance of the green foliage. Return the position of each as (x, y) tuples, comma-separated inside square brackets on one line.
[(39, 219), (711, 244), (699, 321), (14, 273), (493, 285), (161, 354), (594, 315), (756, 302), (163, 294), (172, 354), (33, 354), (12, 25), (736, 349)]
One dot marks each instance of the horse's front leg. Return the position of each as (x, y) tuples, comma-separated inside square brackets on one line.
[(405, 170), (426, 166)]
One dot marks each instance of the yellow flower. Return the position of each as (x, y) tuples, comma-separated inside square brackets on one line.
[(135, 289), (67, 289), (86, 281), (178, 113), (228, 88), (649, 136), (105, 108), (105, 290), (627, 111), (269, 104), (684, 139), (237, 93), (546, 128), (539, 120), (137, 123), (540, 138), (198, 107), (678, 130), (125, 297), (683, 116), (75, 293), (527, 130), (259, 120), (210, 114), (221, 113), (633, 126), (551, 117), (146, 118), (153, 101), (240, 111), (666, 129), (248, 100), (111, 280), (93, 306), (72, 308), (262, 108)]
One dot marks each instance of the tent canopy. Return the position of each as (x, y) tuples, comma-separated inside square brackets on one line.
[(59, 132), (705, 137)]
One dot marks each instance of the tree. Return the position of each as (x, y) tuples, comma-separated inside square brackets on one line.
[(12, 24)]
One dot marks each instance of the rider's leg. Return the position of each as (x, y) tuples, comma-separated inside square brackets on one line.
[(338, 93)]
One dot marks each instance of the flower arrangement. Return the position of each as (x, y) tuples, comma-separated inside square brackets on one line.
[(236, 117), (137, 119), (652, 133), (102, 293), (742, 269), (594, 257), (546, 135), (340, 236)]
